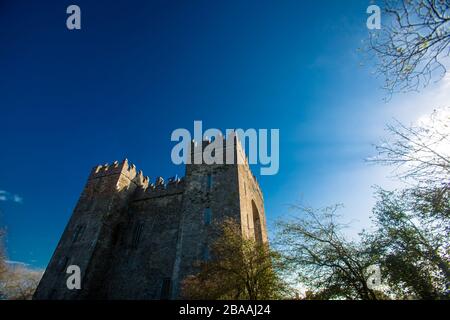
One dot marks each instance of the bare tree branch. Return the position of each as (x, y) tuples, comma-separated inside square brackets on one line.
[(413, 45), (420, 152)]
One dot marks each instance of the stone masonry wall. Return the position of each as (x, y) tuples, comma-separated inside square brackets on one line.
[(133, 239)]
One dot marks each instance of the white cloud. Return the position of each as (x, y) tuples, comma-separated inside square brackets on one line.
[(7, 196), (12, 262), (17, 199)]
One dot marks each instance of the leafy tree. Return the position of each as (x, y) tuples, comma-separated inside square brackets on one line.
[(20, 283), (239, 268), (410, 239), (413, 225), (328, 264), (413, 44), (16, 282), (2, 254), (3, 267), (412, 243)]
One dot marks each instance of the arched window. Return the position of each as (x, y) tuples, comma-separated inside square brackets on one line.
[(257, 224)]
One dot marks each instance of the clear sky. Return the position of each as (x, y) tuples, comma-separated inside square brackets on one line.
[(137, 70)]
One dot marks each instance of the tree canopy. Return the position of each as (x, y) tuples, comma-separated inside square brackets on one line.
[(239, 268), (409, 240), (413, 45)]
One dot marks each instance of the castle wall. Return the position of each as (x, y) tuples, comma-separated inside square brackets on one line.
[(87, 238), (135, 240), (197, 234), (253, 218), (146, 248)]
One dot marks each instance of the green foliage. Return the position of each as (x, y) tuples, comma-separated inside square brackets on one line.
[(2, 255), (410, 238), (3, 267), (16, 283), (412, 241), (323, 260), (240, 268)]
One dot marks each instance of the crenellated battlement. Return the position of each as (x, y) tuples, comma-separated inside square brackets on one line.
[(228, 141), (230, 144), (161, 188), (231, 141), (173, 184), (107, 169), (117, 168)]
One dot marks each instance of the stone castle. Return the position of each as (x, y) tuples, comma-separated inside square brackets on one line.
[(133, 239)]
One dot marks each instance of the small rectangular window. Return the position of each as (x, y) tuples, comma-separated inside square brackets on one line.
[(165, 289), (207, 216), (137, 234), (78, 233)]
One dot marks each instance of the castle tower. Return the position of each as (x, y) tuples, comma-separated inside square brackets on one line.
[(91, 231), (138, 240), (213, 193)]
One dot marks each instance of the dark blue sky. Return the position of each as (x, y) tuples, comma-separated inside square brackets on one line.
[(137, 70)]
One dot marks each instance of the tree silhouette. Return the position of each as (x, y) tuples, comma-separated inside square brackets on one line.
[(413, 44)]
